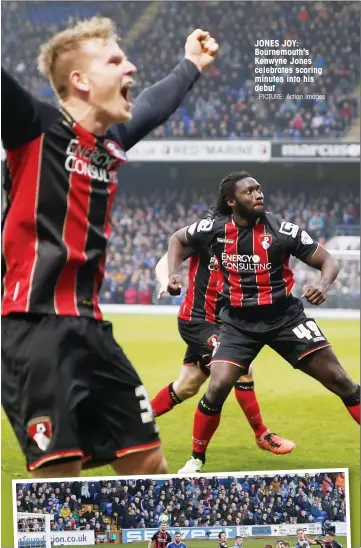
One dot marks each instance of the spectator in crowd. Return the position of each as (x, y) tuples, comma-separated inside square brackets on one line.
[(340, 481)]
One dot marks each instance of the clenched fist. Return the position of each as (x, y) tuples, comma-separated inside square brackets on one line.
[(315, 294), (174, 285), (201, 48)]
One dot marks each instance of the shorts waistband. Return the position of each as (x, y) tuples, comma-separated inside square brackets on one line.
[(262, 311)]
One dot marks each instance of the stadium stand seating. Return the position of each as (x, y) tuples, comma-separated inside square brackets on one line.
[(104, 505)]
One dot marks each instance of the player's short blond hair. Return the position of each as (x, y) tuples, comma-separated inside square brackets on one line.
[(57, 55)]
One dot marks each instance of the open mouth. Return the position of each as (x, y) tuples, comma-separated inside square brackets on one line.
[(125, 91)]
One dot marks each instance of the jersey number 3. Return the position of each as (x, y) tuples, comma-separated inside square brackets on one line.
[(145, 405)]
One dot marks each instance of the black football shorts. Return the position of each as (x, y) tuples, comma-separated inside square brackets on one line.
[(201, 338), (69, 391), (282, 326)]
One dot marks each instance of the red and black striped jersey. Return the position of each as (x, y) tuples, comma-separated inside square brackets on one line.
[(60, 182), (203, 298), (161, 539), (254, 260)]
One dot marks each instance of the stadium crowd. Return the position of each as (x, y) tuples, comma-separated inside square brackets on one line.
[(142, 224), (114, 505), (225, 104)]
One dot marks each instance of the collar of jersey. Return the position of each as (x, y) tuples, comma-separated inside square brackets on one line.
[(87, 137), (244, 227)]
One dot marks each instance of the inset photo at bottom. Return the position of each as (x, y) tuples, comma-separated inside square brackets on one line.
[(284, 509)]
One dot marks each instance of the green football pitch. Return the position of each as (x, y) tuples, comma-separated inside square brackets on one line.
[(292, 404), (258, 542), (247, 542)]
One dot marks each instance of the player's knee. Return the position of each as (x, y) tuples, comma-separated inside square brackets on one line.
[(245, 378), (337, 380), (154, 462), (218, 390), (340, 379), (68, 468), (188, 389), (144, 462), (189, 382)]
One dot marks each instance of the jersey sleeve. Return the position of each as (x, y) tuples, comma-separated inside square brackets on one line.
[(156, 104), (154, 537), (296, 240), (169, 538), (23, 118), (200, 232)]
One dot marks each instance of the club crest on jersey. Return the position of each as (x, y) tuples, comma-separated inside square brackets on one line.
[(40, 431), (266, 240), (213, 264), (115, 150)]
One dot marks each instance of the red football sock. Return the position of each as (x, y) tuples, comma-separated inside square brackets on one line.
[(164, 401), (246, 398), (354, 411), (204, 427), (352, 404)]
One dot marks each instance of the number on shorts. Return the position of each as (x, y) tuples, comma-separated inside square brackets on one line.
[(145, 405), (302, 332)]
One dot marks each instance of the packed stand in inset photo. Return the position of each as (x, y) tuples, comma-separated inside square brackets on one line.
[(105, 506)]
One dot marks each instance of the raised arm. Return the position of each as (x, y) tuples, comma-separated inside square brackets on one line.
[(311, 541), (155, 105), (23, 118)]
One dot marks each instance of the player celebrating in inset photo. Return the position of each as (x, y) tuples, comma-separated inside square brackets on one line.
[(327, 542), (301, 539), (161, 538), (253, 248), (71, 395), (199, 325)]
